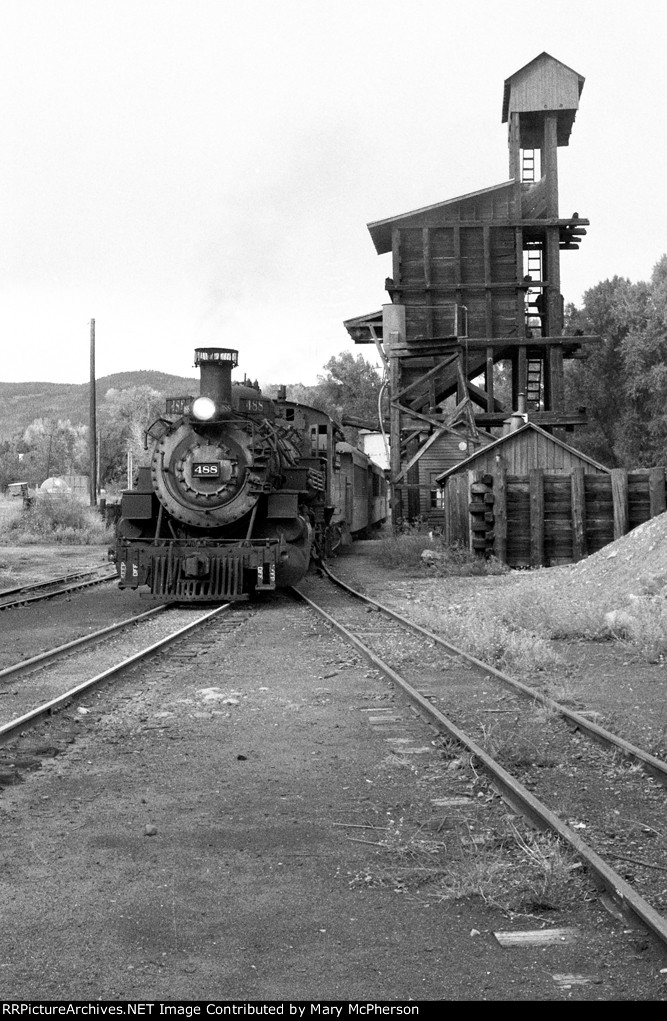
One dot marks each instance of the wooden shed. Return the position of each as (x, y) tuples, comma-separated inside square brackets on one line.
[(446, 451), (533, 500), (440, 440)]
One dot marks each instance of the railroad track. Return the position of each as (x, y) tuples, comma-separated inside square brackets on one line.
[(534, 749), (21, 595), (33, 690)]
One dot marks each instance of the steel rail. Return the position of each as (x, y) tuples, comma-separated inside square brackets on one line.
[(7, 729), (513, 791), (52, 654), (68, 583), (656, 767)]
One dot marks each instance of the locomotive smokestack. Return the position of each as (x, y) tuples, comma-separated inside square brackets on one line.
[(215, 367)]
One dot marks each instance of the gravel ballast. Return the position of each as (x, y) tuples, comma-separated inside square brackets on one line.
[(238, 827)]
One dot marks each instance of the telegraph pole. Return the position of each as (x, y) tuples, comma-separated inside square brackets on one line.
[(92, 427)]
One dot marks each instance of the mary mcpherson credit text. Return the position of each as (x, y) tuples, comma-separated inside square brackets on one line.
[(293, 1010)]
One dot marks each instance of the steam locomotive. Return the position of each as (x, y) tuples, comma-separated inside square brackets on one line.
[(241, 492)]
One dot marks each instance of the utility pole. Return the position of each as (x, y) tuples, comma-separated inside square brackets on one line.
[(92, 427)]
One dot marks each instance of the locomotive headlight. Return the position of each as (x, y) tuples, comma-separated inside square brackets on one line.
[(203, 408)]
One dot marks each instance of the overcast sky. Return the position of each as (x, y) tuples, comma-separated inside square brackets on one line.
[(201, 172)]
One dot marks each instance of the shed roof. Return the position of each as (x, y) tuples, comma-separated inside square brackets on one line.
[(361, 328), (534, 66), (484, 451), (428, 216)]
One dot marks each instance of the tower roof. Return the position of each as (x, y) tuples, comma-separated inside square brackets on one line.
[(543, 84)]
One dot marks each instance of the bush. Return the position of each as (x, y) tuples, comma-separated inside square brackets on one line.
[(56, 519)]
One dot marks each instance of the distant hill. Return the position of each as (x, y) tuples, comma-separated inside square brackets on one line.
[(21, 403)]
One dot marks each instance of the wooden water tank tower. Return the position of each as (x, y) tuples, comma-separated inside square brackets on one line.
[(476, 282)]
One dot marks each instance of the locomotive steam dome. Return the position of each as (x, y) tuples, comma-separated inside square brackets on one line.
[(208, 470)]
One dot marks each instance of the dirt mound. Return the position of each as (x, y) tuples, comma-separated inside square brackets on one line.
[(635, 565)]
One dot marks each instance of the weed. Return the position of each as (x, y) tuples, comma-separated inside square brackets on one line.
[(56, 519), (476, 629), (514, 871), (551, 611), (519, 743), (420, 551), (645, 628)]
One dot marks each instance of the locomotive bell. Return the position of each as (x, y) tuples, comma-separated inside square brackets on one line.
[(215, 366)]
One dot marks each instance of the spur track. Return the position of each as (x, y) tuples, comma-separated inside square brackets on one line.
[(22, 595), (547, 771), (33, 690)]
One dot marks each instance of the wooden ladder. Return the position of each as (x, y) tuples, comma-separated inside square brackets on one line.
[(528, 166), (534, 270)]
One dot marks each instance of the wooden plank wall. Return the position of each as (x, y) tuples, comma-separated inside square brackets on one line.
[(474, 265), (545, 519)]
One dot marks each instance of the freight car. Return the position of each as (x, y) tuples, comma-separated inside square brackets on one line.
[(242, 491)]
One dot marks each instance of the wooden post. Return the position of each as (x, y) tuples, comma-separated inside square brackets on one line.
[(486, 233), (556, 385), (550, 162), (461, 532), (447, 508), (393, 332), (464, 516), (453, 490), (536, 491), (515, 147), (556, 379), (500, 512), (462, 383), (452, 499), (395, 444), (656, 491), (579, 544), (426, 248), (92, 425), (520, 310), (619, 495), (490, 396)]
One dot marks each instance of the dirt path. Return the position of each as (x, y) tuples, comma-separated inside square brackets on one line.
[(298, 851)]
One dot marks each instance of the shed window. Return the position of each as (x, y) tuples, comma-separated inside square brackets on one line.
[(437, 494)]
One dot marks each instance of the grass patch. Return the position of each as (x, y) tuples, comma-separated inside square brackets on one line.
[(478, 628), (55, 519), (552, 610), (557, 611), (422, 553), (519, 873), (524, 742), (644, 628), (513, 624), (7, 576)]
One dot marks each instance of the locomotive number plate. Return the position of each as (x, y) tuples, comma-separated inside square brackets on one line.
[(206, 469)]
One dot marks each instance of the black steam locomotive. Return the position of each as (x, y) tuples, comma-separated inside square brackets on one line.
[(241, 491)]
